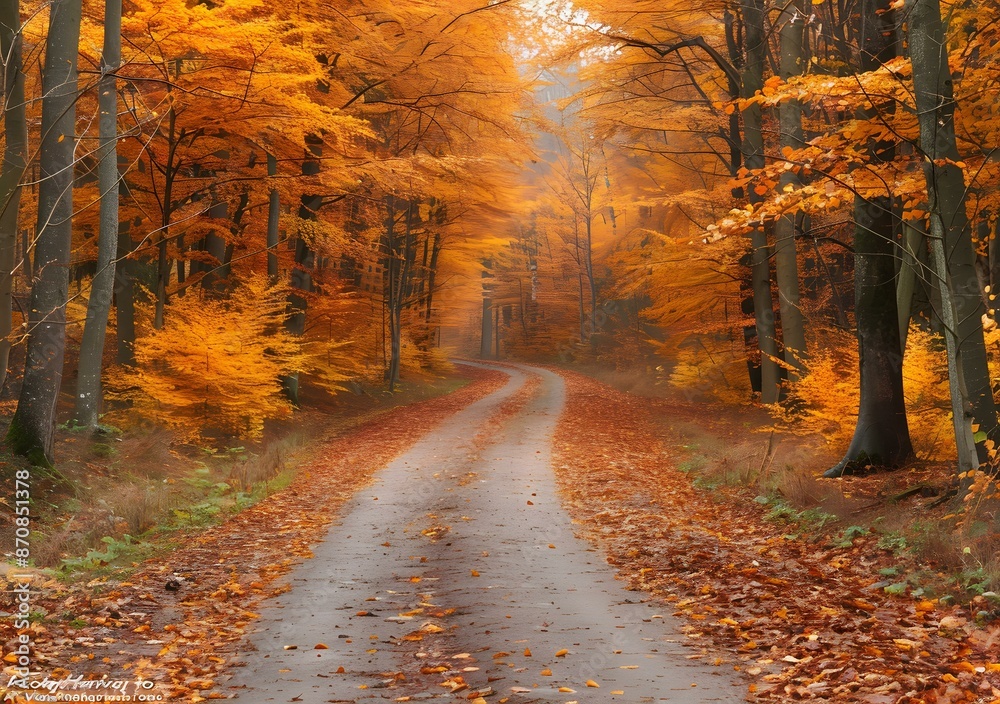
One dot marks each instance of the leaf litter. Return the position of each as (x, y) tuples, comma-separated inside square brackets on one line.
[(804, 621), (183, 638)]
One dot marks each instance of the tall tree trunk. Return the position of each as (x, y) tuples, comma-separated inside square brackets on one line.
[(125, 295), (301, 276), (753, 158), (579, 278), (214, 281), (588, 261), (301, 281), (399, 256), (909, 271), (972, 395), (273, 213), (88, 387), (14, 165), (32, 428), (785, 259), (431, 276), (881, 436), (162, 261), (486, 330)]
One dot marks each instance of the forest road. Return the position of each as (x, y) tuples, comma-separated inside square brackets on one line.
[(458, 565)]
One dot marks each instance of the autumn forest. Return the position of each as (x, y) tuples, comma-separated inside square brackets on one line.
[(310, 293)]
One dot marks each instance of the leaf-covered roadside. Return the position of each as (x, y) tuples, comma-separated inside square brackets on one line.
[(175, 619), (804, 621)]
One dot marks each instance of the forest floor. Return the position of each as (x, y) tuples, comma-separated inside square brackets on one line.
[(808, 580), (789, 586)]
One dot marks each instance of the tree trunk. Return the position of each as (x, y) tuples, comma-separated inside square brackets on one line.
[(88, 389), (486, 331), (399, 255), (301, 276), (588, 260), (301, 281), (162, 262), (32, 428), (215, 279), (273, 213), (906, 283), (785, 259), (125, 296), (972, 395), (431, 276), (753, 158), (881, 436), (14, 165)]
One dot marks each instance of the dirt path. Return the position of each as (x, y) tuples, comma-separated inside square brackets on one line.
[(458, 572)]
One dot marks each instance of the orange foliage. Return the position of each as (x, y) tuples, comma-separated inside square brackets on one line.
[(217, 364), (825, 401)]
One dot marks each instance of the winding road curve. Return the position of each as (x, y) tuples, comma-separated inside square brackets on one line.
[(459, 565)]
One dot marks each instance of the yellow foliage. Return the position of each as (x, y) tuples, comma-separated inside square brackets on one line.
[(928, 399), (708, 366), (825, 401), (216, 364)]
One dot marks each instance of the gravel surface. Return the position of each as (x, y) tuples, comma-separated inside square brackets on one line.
[(457, 572)]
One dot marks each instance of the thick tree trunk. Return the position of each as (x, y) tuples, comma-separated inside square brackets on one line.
[(32, 428), (972, 395), (881, 436), (14, 165), (753, 158), (88, 388), (785, 259)]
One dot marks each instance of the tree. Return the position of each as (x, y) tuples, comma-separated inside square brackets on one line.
[(14, 165), (881, 437), (753, 158), (950, 233), (32, 428), (88, 390), (792, 63)]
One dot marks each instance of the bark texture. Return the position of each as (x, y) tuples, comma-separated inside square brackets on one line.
[(881, 436), (32, 428), (955, 263), (88, 389), (753, 158), (14, 165)]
